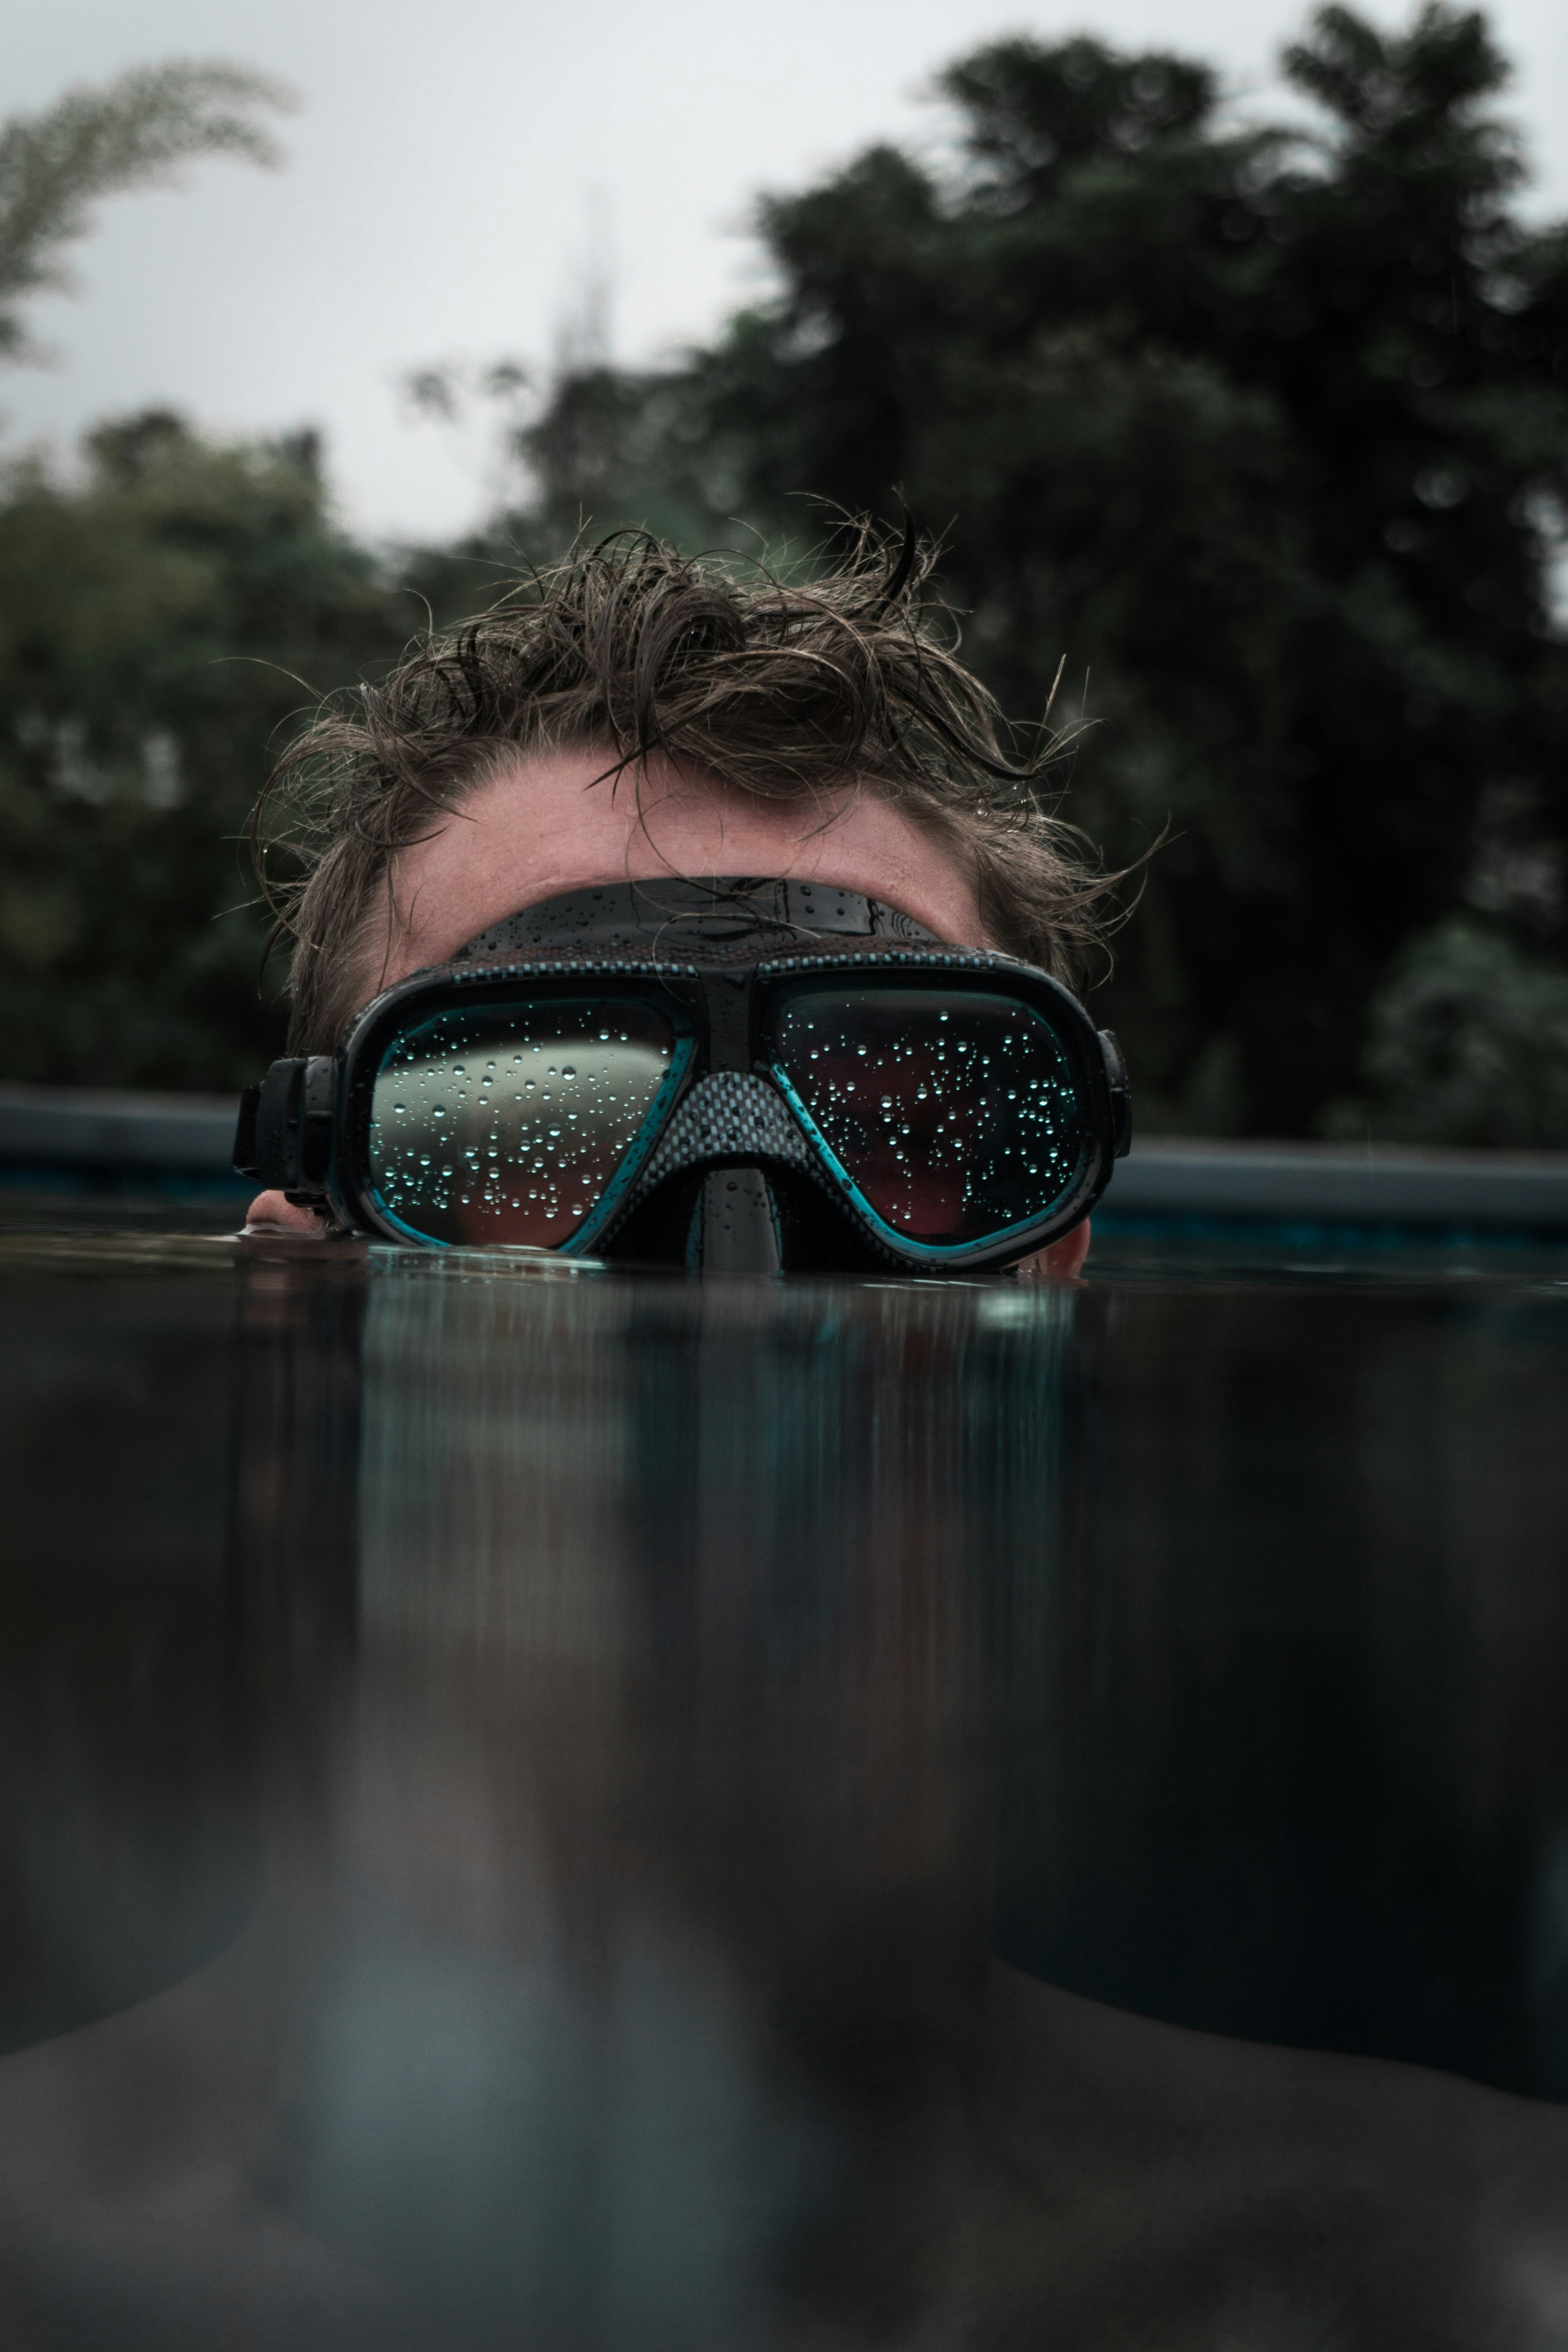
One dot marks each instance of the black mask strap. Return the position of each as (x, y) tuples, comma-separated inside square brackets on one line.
[(729, 916)]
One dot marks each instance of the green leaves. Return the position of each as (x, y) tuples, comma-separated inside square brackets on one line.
[(1467, 1044), (1031, 114), (161, 625), (1266, 432), (1410, 93), (93, 143)]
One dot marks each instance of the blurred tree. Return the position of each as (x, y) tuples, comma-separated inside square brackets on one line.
[(99, 142), (1469, 1045), (155, 622), (159, 625), (1267, 433)]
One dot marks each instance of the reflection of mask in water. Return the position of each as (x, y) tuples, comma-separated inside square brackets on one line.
[(796, 1500), (636, 1668), (670, 1783)]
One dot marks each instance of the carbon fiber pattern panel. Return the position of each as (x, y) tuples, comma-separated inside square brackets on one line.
[(730, 1115)]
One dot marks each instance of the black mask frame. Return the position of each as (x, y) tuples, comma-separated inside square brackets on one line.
[(735, 1173)]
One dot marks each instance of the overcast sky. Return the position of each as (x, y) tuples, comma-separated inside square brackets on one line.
[(448, 164)]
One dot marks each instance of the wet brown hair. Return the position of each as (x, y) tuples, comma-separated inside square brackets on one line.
[(784, 688)]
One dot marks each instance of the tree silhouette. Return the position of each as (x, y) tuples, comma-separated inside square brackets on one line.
[(93, 143), (1266, 430)]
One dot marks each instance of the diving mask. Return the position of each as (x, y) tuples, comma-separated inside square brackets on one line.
[(746, 1073)]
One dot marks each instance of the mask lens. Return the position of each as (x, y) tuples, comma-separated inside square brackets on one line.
[(955, 1116), (508, 1123)]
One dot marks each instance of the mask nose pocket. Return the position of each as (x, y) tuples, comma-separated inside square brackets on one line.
[(734, 1186), (735, 1224), (728, 1122), (732, 1116)]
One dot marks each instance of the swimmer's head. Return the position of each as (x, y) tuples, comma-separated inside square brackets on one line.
[(636, 715)]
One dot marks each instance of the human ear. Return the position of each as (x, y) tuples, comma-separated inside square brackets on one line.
[(270, 1213)]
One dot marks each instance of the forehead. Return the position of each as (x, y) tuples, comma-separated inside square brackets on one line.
[(551, 821)]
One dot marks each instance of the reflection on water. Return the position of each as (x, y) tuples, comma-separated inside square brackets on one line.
[(558, 1810), (1308, 1776), (121, 1746)]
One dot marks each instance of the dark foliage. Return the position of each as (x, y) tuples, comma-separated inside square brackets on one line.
[(1269, 436), (155, 626), (1266, 435)]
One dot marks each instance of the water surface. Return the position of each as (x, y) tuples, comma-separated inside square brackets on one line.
[(555, 1809)]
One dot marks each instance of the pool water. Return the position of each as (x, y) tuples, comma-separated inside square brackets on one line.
[(549, 1808)]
